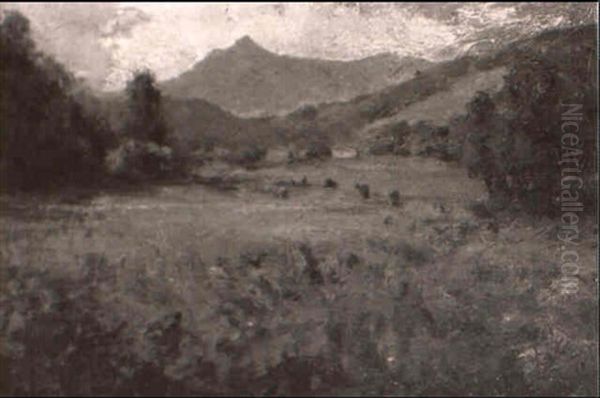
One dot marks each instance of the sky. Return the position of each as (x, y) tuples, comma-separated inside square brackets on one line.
[(104, 43)]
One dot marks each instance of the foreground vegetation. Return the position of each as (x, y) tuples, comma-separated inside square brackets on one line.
[(323, 292)]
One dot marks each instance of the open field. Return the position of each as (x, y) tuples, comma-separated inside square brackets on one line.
[(320, 292)]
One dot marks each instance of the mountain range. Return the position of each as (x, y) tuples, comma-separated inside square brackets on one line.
[(248, 80)]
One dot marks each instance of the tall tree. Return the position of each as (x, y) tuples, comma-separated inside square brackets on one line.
[(46, 138), (146, 120)]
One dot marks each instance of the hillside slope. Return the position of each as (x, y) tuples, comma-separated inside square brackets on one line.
[(195, 123), (246, 79), (437, 94)]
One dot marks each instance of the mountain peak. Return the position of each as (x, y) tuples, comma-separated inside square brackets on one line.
[(243, 46), (248, 79), (246, 42)]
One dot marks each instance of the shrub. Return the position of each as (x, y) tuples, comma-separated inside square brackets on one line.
[(252, 257), (363, 190), (329, 183), (402, 151), (394, 198), (479, 210), (390, 140), (373, 110), (443, 151), (281, 192), (49, 346), (136, 160), (291, 157), (318, 150), (247, 156), (381, 148), (253, 154)]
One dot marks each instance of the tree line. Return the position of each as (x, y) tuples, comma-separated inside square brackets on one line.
[(49, 139)]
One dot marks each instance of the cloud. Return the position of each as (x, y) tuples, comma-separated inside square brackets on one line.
[(174, 37), (73, 33), (123, 22), (106, 42)]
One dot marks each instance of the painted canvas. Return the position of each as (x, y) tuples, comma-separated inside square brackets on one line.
[(298, 199)]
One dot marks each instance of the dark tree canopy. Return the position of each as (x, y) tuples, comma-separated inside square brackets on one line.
[(146, 120), (517, 150), (16, 30), (47, 138)]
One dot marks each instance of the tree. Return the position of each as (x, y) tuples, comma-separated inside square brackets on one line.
[(46, 138), (516, 147), (16, 30), (144, 152), (146, 120)]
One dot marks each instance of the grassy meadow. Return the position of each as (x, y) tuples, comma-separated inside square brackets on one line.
[(231, 289)]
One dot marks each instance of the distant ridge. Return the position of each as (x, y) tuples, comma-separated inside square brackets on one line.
[(247, 79)]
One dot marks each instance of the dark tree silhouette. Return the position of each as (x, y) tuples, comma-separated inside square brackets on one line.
[(16, 30), (517, 149), (146, 120), (47, 139)]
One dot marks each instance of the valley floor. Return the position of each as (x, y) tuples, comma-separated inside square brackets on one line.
[(196, 289)]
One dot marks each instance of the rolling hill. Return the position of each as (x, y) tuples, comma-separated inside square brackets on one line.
[(195, 123), (247, 79), (438, 93)]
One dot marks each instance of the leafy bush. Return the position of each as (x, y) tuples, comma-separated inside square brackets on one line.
[(253, 154), (390, 140), (443, 151), (330, 183), (318, 150), (248, 155), (381, 148), (135, 160), (363, 190), (394, 198), (373, 110), (50, 346)]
